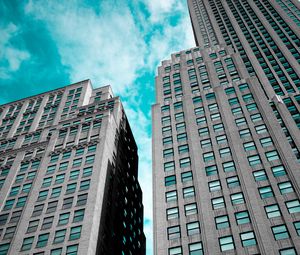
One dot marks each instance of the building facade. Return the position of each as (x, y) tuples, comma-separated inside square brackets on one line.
[(226, 133), (68, 175)]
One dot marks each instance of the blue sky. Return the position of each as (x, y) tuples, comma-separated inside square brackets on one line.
[(48, 44)]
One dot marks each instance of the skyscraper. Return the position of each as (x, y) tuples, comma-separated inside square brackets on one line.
[(226, 133), (68, 175)]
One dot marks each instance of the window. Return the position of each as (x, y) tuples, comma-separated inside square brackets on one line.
[(185, 162), (170, 180), (42, 195), (188, 192), (261, 129), (67, 203), (169, 166), (208, 156), (242, 217), (84, 185), (236, 111), (4, 248), (272, 211), (183, 148), (57, 251), (288, 251), (172, 213), (27, 243), (64, 218), (222, 222), (221, 139), (81, 199), (52, 207), (42, 240), (218, 127), (249, 146), (272, 155), (278, 171), (240, 121), (228, 166), (56, 192), (218, 203), (280, 232), (226, 243), (297, 227), (89, 159), (190, 209), (63, 166), (265, 192), (248, 239), (203, 131), (47, 223), (168, 152), (293, 206), (195, 249), (285, 187), (225, 152), (71, 188), (77, 162), (72, 249), (256, 117), (167, 140), (244, 133), (37, 210), (171, 196), (193, 228), (201, 120), (75, 233), (265, 142), (214, 185), (211, 170), (182, 137), (254, 160), (205, 143), (260, 175), (173, 232), (175, 251), (9, 233), (47, 182), (59, 178), (59, 236), (78, 215), (233, 182), (186, 176), (237, 198), (179, 116)]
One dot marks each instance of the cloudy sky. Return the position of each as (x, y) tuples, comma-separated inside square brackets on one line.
[(48, 44)]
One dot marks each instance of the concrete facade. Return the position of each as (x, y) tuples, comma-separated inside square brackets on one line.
[(225, 177), (63, 175)]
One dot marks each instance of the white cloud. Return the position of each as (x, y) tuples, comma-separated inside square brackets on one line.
[(9, 54)]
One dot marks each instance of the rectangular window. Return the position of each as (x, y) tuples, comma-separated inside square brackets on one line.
[(75, 233), (242, 217), (42, 240), (214, 186), (89, 159), (56, 192), (293, 206), (297, 227), (67, 203), (203, 131), (226, 243), (272, 155), (72, 249), (278, 171), (167, 140), (211, 170), (218, 203), (254, 160), (188, 192), (237, 198), (222, 222), (171, 196), (181, 137), (208, 156), (248, 238), (185, 162), (84, 185), (175, 251), (27, 243), (78, 215), (74, 175), (265, 142), (249, 146), (193, 228), (233, 182), (261, 129), (195, 249), (228, 166), (190, 209), (172, 213), (169, 166), (32, 226), (244, 133), (225, 152), (221, 139), (265, 192), (47, 223), (173, 232), (280, 232), (64, 219), (260, 175), (183, 149), (59, 236), (186, 176), (170, 180), (285, 187), (272, 211), (205, 143)]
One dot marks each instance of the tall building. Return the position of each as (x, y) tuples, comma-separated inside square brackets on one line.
[(226, 134), (69, 175)]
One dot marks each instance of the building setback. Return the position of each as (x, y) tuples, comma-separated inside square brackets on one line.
[(226, 134), (69, 175)]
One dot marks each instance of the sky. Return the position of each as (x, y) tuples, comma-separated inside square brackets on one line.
[(49, 44)]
